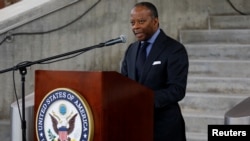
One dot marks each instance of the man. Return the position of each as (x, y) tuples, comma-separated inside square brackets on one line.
[(164, 71)]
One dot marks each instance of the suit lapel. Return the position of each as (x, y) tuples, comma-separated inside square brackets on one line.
[(156, 50), (135, 48)]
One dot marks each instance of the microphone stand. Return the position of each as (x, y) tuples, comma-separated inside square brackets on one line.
[(23, 71)]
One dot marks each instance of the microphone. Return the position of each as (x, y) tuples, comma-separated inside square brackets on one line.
[(121, 39)]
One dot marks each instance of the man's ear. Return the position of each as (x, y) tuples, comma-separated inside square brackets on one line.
[(156, 22)]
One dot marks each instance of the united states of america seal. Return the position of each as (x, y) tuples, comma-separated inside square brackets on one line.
[(64, 115)]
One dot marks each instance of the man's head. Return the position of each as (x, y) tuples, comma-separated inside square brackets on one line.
[(144, 20)]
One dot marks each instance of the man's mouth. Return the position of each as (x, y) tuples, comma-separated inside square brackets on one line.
[(139, 34)]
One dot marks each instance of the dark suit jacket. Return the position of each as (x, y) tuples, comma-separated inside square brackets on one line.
[(165, 72)]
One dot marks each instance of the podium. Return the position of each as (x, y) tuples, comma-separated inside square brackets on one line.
[(121, 109)]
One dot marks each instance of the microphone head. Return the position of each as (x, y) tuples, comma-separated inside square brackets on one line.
[(123, 38)]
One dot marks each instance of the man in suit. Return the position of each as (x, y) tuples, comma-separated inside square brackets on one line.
[(165, 71)]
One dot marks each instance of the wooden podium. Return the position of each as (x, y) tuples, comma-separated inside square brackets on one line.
[(122, 109)]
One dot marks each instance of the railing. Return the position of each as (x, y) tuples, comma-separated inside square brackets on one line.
[(239, 114), (20, 15)]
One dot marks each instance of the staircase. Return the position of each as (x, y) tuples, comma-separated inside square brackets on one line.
[(219, 72)]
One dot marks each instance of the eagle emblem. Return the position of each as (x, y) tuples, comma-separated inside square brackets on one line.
[(63, 126), (63, 115)]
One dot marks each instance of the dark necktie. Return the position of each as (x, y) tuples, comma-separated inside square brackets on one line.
[(141, 57)]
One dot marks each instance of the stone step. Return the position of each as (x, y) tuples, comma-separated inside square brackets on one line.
[(224, 85), (219, 68), (229, 22), (218, 51), (198, 123), (202, 109), (210, 103), (232, 36), (192, 136)]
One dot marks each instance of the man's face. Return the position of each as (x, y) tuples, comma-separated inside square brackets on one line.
[(143, 23)]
